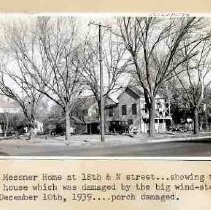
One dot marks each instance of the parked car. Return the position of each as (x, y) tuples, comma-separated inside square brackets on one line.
[(61, 132), (119, 127), (179, 128)]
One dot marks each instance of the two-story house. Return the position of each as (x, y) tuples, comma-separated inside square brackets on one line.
[(133, 109), (130, 110)]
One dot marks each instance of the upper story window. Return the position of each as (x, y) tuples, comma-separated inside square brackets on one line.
[(110, 112), (124, 110), (134, 109)]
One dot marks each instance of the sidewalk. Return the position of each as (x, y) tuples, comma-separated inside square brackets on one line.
[(93, 141), (79, 141)]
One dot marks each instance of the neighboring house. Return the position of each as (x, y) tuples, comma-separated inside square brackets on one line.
[(92, 119), (7, 107)]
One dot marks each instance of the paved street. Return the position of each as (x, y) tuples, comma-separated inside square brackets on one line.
[(144, 149)]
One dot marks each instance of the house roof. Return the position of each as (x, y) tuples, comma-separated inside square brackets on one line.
[(88, 101), (110, 102), (7, 103), (134, 91), (137, 92), (85, 102)]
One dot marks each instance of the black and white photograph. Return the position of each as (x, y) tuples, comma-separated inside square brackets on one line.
[(105, 85)]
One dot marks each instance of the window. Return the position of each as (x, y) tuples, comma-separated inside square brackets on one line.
[(134, 109), (110, 112), (124, 110), (161, 121)]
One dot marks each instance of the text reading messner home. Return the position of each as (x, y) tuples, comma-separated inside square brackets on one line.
[(130, 112)]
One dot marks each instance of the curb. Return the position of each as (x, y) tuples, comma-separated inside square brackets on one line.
[(182, 139)]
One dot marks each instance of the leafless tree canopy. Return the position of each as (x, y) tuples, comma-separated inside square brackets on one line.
[(194, 80), (115, 63), (56, 58), (47, 52), (155, 45), (15, 81)]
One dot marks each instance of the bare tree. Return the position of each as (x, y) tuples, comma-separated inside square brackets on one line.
[(154, 44), (14, 84), (47, 51), (194, 81), (115, 62), (60, 50)]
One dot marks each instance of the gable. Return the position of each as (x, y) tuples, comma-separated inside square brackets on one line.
[(131, 92), (110, 102), (8, 105), (127, 98)]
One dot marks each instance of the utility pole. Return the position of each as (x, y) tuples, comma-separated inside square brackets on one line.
[(102, 105)]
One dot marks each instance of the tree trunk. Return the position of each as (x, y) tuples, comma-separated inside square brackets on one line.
[(7, 125), (31, 132), (152, 117), (196, 120), (68, 134), (207, 129), (31, 129), (206, 121)]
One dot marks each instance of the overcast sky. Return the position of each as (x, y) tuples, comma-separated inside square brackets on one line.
[(83, 24)]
